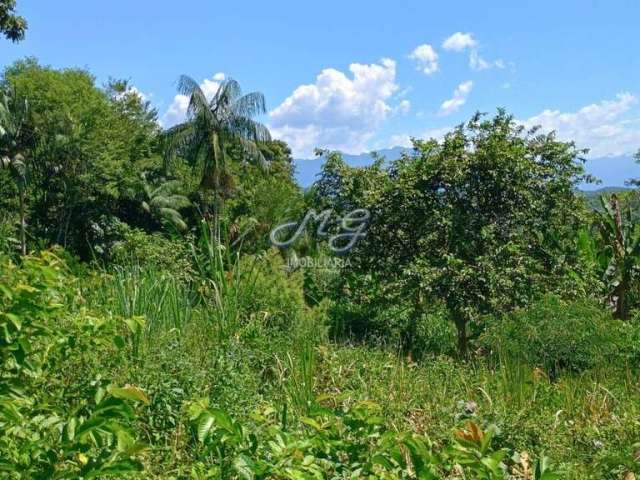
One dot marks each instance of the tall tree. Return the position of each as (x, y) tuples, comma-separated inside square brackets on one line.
[(92, 144), (211, 129), (11, 25), (15, 139), (480, 222)]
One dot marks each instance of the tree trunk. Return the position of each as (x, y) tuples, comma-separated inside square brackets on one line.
[(461, 326), (23, 234), (409, 335), (621, 311)]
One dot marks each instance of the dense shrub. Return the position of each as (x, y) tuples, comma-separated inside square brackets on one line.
[(348, 443), (434, 334), (275, 294), (560, 336), (155, 250)]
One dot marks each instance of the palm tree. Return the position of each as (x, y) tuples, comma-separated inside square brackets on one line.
[(164, 203), (211, 127), (13, 138)]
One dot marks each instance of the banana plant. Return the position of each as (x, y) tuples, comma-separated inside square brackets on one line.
[(619, 237)]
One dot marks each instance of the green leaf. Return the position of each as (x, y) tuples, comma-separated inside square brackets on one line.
[(204, 426), (119, 342), (130, 392), (117, 468), (245, 467)]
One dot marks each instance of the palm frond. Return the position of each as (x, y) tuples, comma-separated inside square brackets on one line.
[(249, 129), (254, 153), (250, 105), (175, 202), (174, 218), (198, 103), (222, 102)]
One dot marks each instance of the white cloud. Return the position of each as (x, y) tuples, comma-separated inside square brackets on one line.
[(143, 96), (459, 98), (404, 140), (458, 42), (403, 107), (337, 111), (602, 127), (426, 59), (477, 63), (607, 128), (177, 111)]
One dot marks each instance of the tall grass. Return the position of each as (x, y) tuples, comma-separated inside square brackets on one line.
[(163, 301), (226, 284), (299, 366)]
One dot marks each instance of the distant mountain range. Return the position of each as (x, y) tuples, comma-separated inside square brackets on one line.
[(308, 169), (612, 171)]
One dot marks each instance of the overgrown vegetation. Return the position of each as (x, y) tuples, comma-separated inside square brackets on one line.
[(484, 327)]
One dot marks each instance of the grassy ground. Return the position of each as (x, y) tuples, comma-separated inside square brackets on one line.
[(587, 424)]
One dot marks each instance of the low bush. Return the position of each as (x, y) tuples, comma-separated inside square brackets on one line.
[(348, 443), (389, 325), (275, 294), (156, 251), (560, 336)]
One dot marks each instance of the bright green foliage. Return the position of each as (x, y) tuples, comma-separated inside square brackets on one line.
[(153, 251), (30, 303), (353, 443), (163, 301), (262, 200), (277, 295), (45, 433)]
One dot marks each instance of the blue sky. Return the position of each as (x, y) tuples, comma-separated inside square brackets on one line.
[(358, 75)]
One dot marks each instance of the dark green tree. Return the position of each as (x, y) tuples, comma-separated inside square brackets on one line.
[(90, 148), (11, 25), (481, 222)]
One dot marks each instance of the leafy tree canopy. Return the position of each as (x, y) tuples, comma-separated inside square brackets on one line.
[(91, 145), (482, 221), (12, 26)]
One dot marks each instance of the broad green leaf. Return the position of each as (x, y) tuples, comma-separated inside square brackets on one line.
[(130, 392)]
